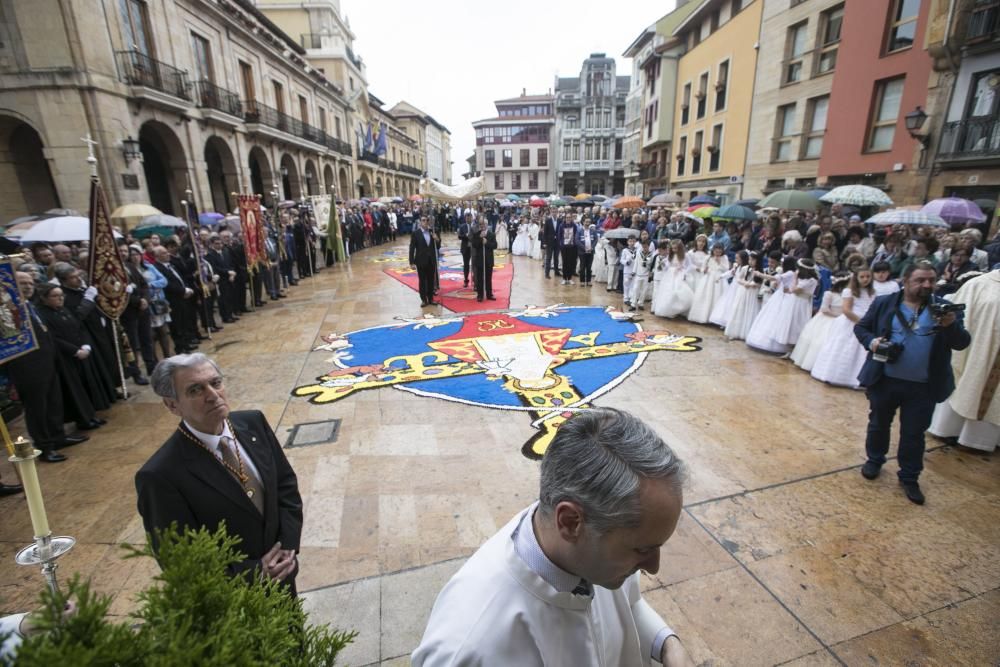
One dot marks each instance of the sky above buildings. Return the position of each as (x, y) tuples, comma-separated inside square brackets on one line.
[(452, 58)]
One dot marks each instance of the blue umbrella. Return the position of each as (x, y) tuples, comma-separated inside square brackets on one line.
[(705, 199), (209, 218), (735, 212)]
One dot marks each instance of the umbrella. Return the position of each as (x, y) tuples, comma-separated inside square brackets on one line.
[(415, 198), (509, 204), (897, 216), (954, 210), (27, 218), (582, 202), (733, 212), (59, 229), (398, 200), (707, 212), (859, 195), (749, 203), (63, 212), (209, 218), (538, 203), (598, 198), (621, 233), (691, 216), (134, 211), (513, 198), (818, 192), (163, 220), (629, 202), (705, 199), (790, 199), (288, 203), (385, 200), (582, 196), (985, 204), (666, 199)]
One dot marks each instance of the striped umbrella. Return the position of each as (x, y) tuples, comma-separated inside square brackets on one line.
[(858, 195), (899, 216), (707, 212)]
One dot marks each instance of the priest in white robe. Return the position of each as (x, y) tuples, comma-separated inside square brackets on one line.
[(559, 584), (972, 412)]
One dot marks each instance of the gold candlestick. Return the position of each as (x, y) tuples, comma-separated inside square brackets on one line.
[(46, 548)]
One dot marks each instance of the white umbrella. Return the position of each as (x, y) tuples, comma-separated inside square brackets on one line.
[(57, 230), (857, 195), (901, 216)]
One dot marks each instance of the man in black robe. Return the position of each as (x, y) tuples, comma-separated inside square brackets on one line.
[(484, 242)]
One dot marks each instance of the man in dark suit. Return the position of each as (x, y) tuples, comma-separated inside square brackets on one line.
[(423, 258), (222, 265), (484, 242), (238, 256), (221, 466), (550, 243), (465, 230), (913, 380)]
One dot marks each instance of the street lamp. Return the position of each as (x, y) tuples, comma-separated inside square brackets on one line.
[(914, 121), (131, 149)]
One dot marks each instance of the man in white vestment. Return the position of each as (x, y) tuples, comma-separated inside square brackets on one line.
[(972, 412), (559, 584)]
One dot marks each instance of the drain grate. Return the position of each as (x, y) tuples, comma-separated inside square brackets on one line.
[(313, 433)]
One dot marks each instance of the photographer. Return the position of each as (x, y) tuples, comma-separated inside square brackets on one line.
[(910, 336)]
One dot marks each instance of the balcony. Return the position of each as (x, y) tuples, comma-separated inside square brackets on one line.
[(211, 99), (367, 156), (277, 125), (984, 21), (970, 140), (652, 172), (154, 81), (406, 169), (338, 145)]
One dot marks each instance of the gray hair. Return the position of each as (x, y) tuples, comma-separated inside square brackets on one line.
[(162, 378), (598, 459), (63, 270)]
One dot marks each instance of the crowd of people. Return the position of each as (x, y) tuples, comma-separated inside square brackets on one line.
[(180, 290)]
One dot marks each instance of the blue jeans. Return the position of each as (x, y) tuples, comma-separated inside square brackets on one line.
[(916, 407)]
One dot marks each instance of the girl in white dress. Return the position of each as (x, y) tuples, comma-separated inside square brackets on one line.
[(814, 335), (600, 265), (611, 261), (699, 261), (881, 282), (724, 305), (842, 357), (503, 235), (746, 303), (710, 288), (658, 269), (535, 247), (674, 296), (764, 332), (521, 245), (797, 310)]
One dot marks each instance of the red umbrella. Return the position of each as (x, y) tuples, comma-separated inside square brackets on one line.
[(538, 203)]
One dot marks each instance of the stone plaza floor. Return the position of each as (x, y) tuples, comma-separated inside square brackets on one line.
[(784, 554)]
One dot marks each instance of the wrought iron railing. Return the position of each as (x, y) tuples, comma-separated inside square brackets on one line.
[(406, 169), (338, 145), (984, 20), (368, 156), (258, 112), (137, 69), (970, 138), (210, 96)]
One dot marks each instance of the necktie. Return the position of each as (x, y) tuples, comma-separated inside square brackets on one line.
[(253, 487)]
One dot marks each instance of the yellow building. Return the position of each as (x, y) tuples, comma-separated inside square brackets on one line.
[(714, 97)]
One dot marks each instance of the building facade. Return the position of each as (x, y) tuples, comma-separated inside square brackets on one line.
[(178, 95), (590, 129), (434, 138), (714, 99), (963, 106), (799, 47), (514, 148), (637, 51), (883, 73)]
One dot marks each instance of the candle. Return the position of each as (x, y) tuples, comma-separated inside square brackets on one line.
[(25, 461)]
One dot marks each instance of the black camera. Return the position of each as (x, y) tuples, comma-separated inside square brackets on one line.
[(939, 310), (887, 351)]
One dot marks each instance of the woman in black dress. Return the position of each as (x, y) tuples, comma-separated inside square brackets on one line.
[(83, 392)]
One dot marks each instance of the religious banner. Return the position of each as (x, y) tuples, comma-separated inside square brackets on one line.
[(16, 335), (106, 271), (466, 190), (328, 221), (253, 235)]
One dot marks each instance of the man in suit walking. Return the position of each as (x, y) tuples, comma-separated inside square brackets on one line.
[(484, 242), (221, 466), (177, 294), (464, 232), (423, 258)]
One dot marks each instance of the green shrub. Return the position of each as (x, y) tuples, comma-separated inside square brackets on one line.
[(194, 614)]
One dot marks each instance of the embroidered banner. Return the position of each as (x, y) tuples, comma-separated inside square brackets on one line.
[(253, 230), (106, 271), (16, 335)]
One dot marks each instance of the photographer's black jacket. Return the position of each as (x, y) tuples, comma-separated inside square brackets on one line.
[(877, 322)]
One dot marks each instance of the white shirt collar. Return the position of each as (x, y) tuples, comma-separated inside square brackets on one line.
[(211, 441), (527, 548)]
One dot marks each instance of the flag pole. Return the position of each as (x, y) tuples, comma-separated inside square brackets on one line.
[(197, 256)]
